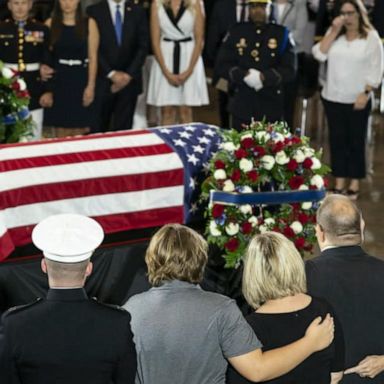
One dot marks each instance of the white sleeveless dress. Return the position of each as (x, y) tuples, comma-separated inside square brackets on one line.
[(194, 91)]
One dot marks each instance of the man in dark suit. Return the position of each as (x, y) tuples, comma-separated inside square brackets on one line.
[(225, 14), (256, 58), (67, 337), (353, 283), (124, 43)]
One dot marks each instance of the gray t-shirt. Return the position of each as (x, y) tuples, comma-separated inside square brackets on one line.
[(183, 334)]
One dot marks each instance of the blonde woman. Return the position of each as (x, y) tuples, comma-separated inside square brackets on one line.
[(186, 335), (274, 284), (177, 78)]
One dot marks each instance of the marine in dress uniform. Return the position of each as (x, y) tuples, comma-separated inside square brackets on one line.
[(256, 58), (24, 47), (67, 337)]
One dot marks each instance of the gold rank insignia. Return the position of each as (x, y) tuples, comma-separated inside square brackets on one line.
[(7, 36), (272, 43), (241, 45), (254, 53)]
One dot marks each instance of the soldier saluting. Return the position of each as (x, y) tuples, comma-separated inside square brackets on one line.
[(256, 58), (23, 48)]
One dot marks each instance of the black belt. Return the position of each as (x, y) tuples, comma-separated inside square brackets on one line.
[(176, 53)]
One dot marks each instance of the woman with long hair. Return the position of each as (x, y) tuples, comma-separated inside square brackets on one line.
[(177, 79), (354, 55), (274, 285), (74, 45)]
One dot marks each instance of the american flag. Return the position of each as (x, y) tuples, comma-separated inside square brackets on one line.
[(125, 180)]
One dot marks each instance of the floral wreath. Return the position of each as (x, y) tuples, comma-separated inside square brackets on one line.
[(15, 118), (263, 157)]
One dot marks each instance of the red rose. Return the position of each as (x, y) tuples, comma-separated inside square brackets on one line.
[(307, 163), (259, 151), (217, 210), (299, 242), (326, 182), (232, 244), (219, 164), (246, 227), (295, 181), (292, 165), (296, 140), (15, 86), (303, 218), (240, 153), (236, 175), (288, 231), (287, 141), (253, 176), (22, 94), (247, 143), (278, 147)]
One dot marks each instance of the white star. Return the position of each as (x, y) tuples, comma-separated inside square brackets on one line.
[(165, 130), (186, 135), (206, 168), (210, 132), (198, 148), (203, 140), (189, 128), (193, 208), (179, 143), (192, 159), (192, 183)]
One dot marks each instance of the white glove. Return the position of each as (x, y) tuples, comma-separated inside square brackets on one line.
[(253, 79)]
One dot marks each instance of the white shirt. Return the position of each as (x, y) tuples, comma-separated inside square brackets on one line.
[(352, 65), (112, 8), (238, 10)]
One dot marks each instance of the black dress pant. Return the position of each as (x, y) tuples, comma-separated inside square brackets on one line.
[(223, 109), (347, 137)]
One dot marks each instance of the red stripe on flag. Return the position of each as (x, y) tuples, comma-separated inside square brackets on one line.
[(91, 187), (111, 223), (6, 245), (79, 157)]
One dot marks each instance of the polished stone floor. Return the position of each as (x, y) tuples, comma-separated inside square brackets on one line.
[(371, 199)]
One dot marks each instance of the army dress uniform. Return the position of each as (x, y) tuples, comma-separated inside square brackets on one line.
[(24, 47), (265, 48)]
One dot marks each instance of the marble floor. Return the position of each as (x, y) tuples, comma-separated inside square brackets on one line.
[(371, 199)]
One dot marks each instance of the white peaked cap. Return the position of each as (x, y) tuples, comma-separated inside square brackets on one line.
[(67, 238)]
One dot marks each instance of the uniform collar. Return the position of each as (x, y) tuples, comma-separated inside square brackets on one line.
[(76, 294), (347, 251)]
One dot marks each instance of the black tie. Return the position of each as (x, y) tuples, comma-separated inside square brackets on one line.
[(242, 13)]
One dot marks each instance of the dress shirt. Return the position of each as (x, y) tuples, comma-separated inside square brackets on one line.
[(239, 7), (112, 8)]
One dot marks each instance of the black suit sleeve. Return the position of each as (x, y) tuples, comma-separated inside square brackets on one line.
[(215, 35), (125, 372), (286, 68), (142, 44)]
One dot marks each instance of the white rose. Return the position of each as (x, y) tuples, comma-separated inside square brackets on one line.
[(262, 136), (228, 186), (316, 164), (308, 152), (213, 229), (246, 165), (253, 220), (281, 158), (232, 229), (228, 146), (299, 156), (269, 221), (22, 85), (297, 227), (246, 136), (220, 174), (303, 187), (263, 229), (307, 205), (318, 181), (246, 208), (7, 73), (268, 162), (246, 189), (278, 137)]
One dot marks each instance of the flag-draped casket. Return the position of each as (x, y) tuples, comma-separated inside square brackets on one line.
[(125, 180)]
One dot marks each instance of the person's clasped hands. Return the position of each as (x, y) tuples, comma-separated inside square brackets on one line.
[(254, 79), (369, 367)]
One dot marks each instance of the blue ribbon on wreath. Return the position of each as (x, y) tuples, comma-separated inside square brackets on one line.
[(270, 198), (12, 118)]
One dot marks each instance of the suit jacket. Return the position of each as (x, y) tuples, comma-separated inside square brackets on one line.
[(223, 18), (130, 55), (378, 17), (67, 338), (269, 51), (353, 283)]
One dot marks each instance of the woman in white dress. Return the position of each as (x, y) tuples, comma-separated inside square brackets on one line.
[(177, 79)]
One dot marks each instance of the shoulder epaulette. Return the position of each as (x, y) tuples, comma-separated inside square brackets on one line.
[(112, 306), (19, 308)]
